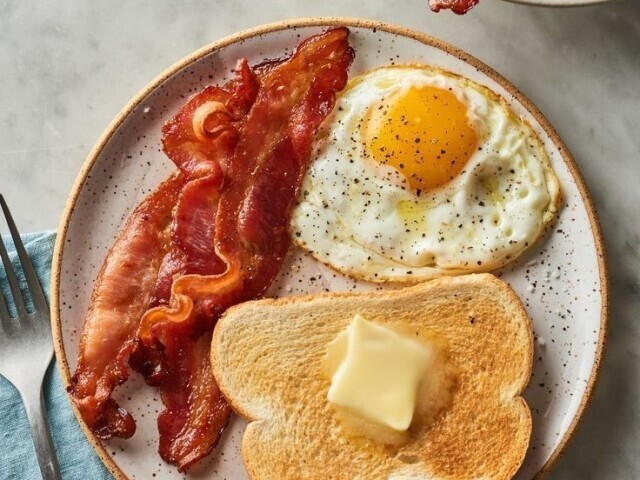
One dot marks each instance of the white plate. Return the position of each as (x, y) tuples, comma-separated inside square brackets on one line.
[(562, 3), (562, 280)]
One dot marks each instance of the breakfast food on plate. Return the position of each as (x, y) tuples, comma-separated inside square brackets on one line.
[(214, 234), (416, 173), (418, 383), (419, 173), (459, 7)]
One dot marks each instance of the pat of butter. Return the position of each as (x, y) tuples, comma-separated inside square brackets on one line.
[(380, 373)]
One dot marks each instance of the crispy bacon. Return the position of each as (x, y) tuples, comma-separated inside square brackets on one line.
[(203, 134), (121, 295), (213, 235), (261, 186), (194, 394), (191, 251), (138, 270), (459, 7)]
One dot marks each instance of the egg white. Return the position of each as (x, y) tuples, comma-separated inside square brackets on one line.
[(363, 219)]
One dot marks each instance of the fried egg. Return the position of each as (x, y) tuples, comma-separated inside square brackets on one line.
[(419, 173)]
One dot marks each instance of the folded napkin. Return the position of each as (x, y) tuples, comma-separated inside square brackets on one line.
[(17, 457)]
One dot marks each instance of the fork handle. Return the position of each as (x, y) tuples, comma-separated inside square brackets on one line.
[(37, 416)]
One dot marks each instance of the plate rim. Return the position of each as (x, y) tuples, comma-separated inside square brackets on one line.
[(563, 4), (70, 204)]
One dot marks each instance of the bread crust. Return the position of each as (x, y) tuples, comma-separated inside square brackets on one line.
[(267, 355)]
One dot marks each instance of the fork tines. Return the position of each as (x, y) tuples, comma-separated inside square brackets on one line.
[(37, 295)]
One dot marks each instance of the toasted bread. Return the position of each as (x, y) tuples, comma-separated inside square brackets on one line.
[(267, 357)]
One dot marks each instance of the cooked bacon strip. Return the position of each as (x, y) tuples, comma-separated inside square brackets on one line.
[(186, 439), (148, 254), (261, 185), (199, 139), (193, 229), (120, 297), (192, 251), (203, 133), (152, 247), (459, 7)]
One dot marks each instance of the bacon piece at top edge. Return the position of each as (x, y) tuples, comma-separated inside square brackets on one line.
[(261, 185), (459, 7), (120, 297)]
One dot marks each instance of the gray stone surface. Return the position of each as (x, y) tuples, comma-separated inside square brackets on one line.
[(67, 68)]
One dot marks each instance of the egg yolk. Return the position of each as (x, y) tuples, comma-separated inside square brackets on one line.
[(424, 133)]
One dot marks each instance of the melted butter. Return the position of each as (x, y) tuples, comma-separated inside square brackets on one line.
[(491, 189), (412, 214), (426, 393)]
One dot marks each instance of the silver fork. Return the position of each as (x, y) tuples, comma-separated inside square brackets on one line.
[(26, 349)]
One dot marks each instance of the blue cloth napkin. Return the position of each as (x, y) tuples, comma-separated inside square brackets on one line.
[(17, 457)]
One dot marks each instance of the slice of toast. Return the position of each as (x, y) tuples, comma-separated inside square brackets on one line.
[(268, 359)]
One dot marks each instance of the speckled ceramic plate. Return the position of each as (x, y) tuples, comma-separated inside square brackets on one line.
[(562, 3), (562, 280)]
